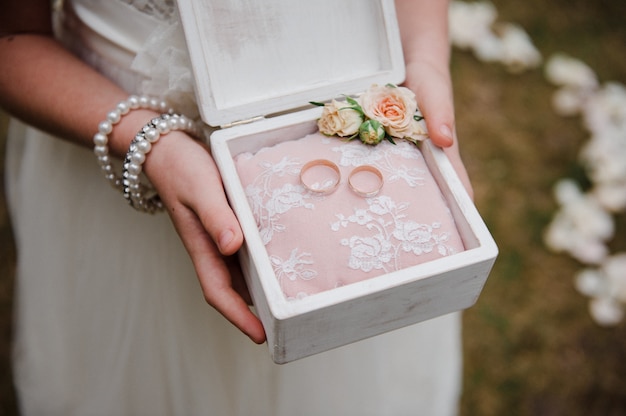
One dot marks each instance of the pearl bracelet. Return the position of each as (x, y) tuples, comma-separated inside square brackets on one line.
[(101, 138), (141, 196)]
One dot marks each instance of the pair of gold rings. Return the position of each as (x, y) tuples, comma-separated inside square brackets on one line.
[(359, 180)]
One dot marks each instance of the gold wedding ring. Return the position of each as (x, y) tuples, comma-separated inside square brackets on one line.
[(314, 186), (363, 190)]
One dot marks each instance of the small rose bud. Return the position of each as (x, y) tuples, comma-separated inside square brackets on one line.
[(371, 132)]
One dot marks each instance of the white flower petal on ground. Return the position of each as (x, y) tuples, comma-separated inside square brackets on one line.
[(469, 23), (568, 101), (607, 288), (590, 282), (563, 70), (584, 212), (581, 226), (519, 52), (604, 158), (563, 236), (606, 311), (611, 195), (606, 109), (589, 251), (489, 48), (614, 269), (472, 27)]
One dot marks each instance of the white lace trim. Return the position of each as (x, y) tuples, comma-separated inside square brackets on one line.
[(385, 233)]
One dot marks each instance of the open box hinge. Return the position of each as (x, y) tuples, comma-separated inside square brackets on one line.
[(246, 121)]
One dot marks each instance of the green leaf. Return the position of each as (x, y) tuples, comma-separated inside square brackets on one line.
[(417, 117), (390, 139), (358, 109), (391, 85), (352, 101), (316, 103)]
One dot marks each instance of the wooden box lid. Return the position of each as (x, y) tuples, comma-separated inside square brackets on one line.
[(254, 59)]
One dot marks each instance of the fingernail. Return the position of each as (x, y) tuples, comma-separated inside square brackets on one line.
[(225, 238), (446, 131)]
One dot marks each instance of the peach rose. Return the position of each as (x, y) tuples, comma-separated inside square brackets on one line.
[(394, 107), (338, 118)]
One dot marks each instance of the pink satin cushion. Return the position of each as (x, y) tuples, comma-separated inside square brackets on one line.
[(319, 242)]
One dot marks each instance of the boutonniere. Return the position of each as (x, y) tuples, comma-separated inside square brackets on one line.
[(382, 112)]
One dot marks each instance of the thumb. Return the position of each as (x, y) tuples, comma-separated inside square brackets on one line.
[(217, 217), (433, 92), (435, 101)]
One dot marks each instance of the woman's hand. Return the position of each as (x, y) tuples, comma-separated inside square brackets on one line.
[(181, 169), (424, 31), (433, 91), (190, 186)]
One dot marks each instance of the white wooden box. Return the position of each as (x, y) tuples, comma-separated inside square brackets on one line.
[(254, 59)]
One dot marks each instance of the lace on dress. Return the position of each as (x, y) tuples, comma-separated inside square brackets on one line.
[(163, 10), (139, 44)]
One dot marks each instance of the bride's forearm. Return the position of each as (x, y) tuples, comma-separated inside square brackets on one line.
[(424, 31), (49, 88)]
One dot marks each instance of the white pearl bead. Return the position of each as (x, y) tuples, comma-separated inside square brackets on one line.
[(144, 101), (123, 107), (152, 135), (174, 123), (133, 102), (104, 160), (105, 127), (144, 146), (100, 139), (138, 157), (163, 126), (114, 116), (134, 168), (101, 150)]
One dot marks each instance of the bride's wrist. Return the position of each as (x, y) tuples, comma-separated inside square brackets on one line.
[(177, 149), (110, 137), (140, 195), (114, 134), (124, 132)]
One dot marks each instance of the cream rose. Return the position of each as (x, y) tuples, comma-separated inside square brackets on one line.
[(338, 118), (394, 107)]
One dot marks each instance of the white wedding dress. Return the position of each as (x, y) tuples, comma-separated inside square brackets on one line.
[(110, 319)]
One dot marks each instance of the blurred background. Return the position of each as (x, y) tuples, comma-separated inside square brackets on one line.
[(530, 344), (531, 347)]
